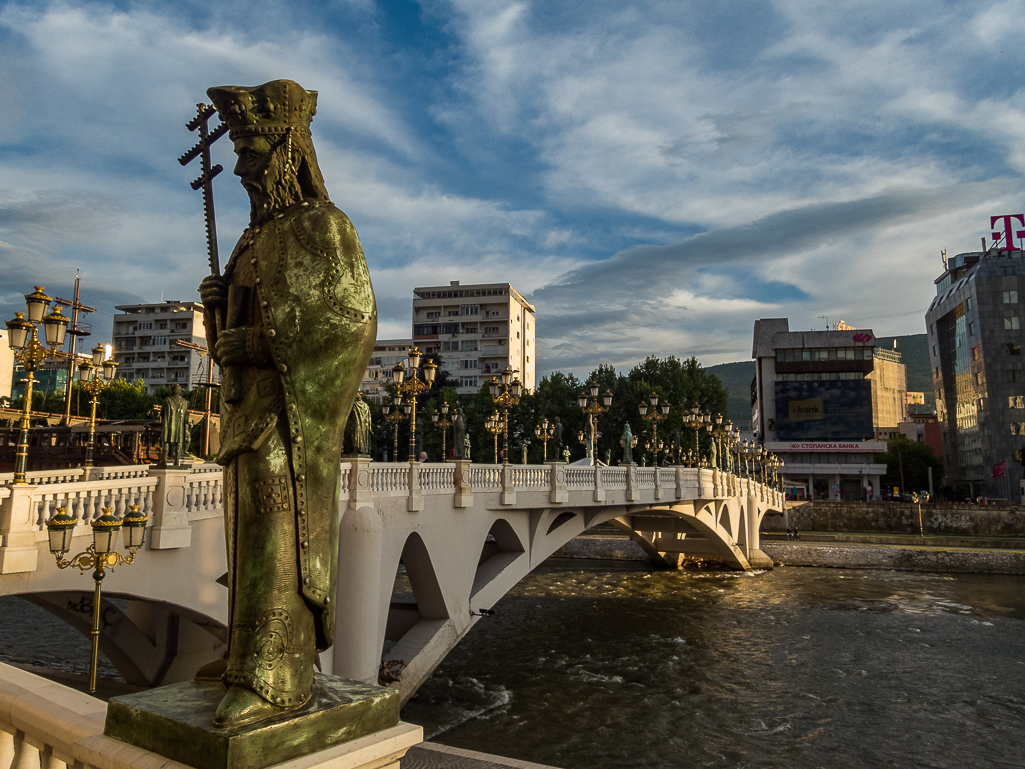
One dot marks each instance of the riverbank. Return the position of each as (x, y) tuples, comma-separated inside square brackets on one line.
[(961, 555), (854, 555)]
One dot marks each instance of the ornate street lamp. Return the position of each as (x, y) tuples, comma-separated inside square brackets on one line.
[(495, 425), (99, 556), (95, 375), (23, 337), (697, 421), (505, 393), (721, 431), (544, 432), (408, 383), (654, 417), (590, 405), (394, 417), (441, 420)]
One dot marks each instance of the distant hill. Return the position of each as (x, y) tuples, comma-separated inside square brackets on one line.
[(736, 377)]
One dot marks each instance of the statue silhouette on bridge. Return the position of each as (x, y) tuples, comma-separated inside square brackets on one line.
[(293, 321), (175, 433)]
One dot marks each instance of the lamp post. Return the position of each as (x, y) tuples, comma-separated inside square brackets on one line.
[(99, 556), (407, 382), (441, 420), (95, 382), (697, 420), (590, 405), (494, 425), (23, 337), (544, 432), (654, 417), (394, 417), (505, 394), (919, 499), (721, 430)]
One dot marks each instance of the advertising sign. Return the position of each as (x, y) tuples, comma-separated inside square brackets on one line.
[(831, 410), (914, 399)]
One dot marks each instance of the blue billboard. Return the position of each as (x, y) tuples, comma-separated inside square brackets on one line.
[(838, 410)]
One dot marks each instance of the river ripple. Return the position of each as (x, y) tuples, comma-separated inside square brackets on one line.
[(601, 665)]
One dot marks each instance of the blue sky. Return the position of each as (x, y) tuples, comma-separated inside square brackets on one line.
[(654, 176)]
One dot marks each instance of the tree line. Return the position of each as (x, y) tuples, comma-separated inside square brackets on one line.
[(682, 384)]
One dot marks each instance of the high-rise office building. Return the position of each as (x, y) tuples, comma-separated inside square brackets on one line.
[(975, 341), (144, 344), (476, 331)]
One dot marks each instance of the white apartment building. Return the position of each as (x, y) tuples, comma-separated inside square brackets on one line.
[(387, 352), (476, 331), (144, 344)]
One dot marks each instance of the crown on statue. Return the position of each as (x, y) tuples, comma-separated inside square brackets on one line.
[(272, 108)]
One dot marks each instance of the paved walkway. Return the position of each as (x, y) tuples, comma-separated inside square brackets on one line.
[(431, 755)]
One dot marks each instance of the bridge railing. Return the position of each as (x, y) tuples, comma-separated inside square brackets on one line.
[(44, 725)]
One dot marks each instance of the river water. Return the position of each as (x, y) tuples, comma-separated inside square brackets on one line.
[(598, 665), (601, 665)]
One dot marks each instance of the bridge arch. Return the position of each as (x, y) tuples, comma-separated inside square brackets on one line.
[(150, 642)]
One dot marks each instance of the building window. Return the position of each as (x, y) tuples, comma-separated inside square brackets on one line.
[(971, 328), (468, 345), (1013, 349), (1013, 375), (469, 309), (518, 333), (1010, 297), (1012, 323), (145, 325), (968, 303), (450, 346), (936, 372), (467, 381), (975, 353), (433, 315), (466, 364), (528, 359), (1016, 402)]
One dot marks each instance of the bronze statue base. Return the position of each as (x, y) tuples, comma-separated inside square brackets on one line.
[(176, 721)]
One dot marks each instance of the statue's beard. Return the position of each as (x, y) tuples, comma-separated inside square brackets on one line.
[(280, 188)]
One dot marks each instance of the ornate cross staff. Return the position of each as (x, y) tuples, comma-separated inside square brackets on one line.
[(205, 180)]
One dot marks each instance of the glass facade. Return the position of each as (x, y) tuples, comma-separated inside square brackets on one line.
[(960, 397)]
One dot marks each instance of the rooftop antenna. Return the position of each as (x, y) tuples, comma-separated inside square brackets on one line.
[(825, 318), (943, 256)]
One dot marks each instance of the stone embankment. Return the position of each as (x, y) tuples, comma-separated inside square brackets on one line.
[(907, 558), (900, 518)]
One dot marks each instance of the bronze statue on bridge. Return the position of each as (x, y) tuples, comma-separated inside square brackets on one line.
[(293, 321)]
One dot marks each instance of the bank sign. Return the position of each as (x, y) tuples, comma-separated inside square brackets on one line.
[(825, 446)]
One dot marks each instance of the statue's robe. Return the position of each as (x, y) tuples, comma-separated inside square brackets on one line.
[(312, 324)]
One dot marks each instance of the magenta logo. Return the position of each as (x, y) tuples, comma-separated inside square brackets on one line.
[(862, 337), (1009, 233)]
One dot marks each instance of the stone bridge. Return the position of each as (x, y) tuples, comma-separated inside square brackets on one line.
[(422, 549)]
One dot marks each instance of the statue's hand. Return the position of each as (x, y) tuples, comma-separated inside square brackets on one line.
[(230, 349), (213, 291)]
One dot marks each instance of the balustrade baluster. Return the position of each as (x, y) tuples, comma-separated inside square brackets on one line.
[(6, 749), (26, 754)]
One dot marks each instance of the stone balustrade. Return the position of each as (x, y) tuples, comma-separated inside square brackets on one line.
[(174, 497)]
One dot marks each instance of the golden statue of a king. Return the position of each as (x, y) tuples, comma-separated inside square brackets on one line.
[(295, 324)]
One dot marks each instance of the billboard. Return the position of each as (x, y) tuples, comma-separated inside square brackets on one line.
[(837, 410), (914, 399)]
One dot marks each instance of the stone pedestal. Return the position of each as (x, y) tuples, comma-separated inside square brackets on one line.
[(176, 722)]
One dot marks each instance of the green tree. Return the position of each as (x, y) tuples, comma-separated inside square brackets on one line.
[(907, 464)]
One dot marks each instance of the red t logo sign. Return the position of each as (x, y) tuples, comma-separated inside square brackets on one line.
[(1009, 233)]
